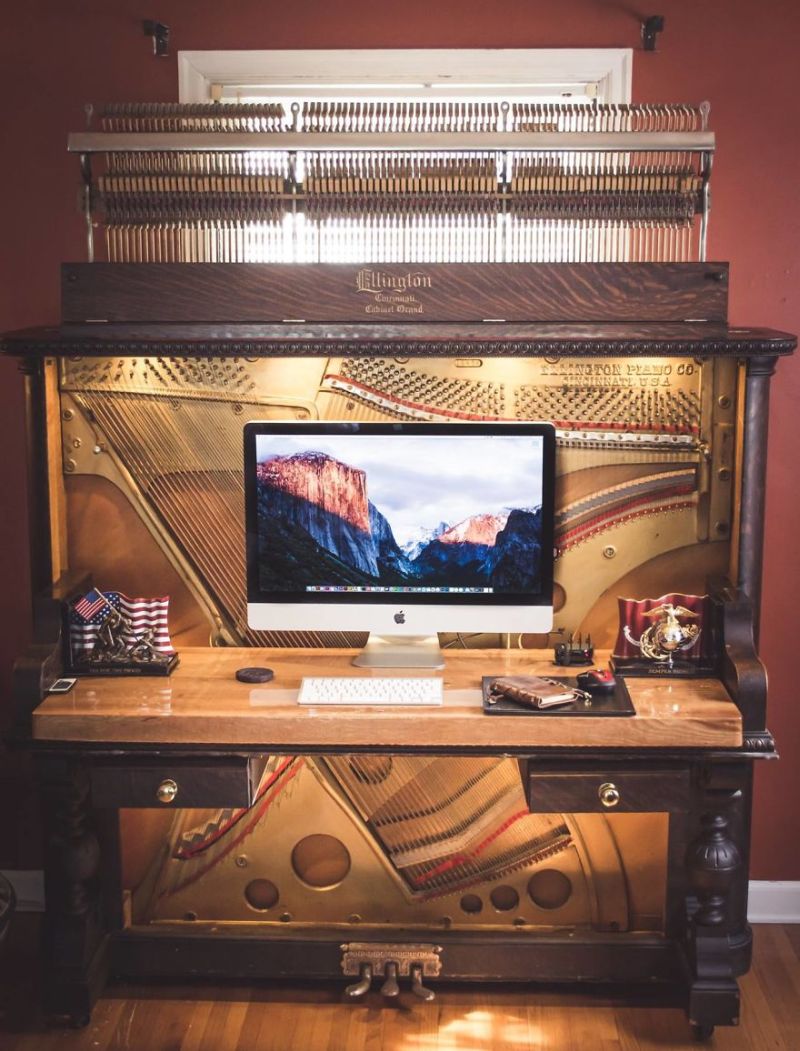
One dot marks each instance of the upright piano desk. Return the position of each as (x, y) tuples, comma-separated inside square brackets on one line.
[(199, 738)]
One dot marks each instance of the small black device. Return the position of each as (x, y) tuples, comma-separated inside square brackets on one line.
[(62, 686), (255, 675), (574, 651)]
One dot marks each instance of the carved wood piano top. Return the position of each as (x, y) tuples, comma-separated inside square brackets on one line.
[(202, 704), (412, 340), (323, 310)]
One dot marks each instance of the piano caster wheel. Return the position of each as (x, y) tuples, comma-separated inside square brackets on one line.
[(390, 989), (417, 988), (358, 990), (702, 1033)]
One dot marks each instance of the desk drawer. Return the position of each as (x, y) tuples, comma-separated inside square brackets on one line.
[(606, 790), (176, 782)]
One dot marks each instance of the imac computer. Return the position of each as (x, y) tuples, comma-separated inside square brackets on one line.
[(400, 529)]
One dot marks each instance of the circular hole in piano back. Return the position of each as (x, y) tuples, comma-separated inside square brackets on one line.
[(471, 903), (504, 898), (549, 889), (261, 894), (320, 860)]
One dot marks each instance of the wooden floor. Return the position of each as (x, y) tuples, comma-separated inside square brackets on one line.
[(242, 1018)]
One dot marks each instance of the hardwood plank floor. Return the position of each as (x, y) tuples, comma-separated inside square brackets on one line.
[(312, 1018)]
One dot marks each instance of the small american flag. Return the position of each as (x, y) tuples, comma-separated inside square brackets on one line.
[(92, 604), (144, 616)]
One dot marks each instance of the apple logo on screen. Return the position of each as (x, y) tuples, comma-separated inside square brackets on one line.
[(400, 617)]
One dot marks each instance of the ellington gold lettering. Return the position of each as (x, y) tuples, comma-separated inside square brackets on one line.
[(374, 281)]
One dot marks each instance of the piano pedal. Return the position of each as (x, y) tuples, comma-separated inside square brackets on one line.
[(368, 959), (390, 990), (358, 990), (417, 988)]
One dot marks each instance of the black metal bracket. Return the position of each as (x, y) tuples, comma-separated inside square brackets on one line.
[(651, 27), (160, 34)]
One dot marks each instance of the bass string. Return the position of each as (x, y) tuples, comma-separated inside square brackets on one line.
[(126, 418), (190, 512)]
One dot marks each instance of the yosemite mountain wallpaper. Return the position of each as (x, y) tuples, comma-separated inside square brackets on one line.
[(410, 511)]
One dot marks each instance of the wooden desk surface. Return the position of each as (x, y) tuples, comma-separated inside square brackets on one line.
[(202, 703)]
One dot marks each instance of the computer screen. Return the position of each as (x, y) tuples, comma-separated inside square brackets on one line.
[(402, 527)]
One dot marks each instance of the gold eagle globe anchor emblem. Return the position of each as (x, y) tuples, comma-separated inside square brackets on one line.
[(666, 636)]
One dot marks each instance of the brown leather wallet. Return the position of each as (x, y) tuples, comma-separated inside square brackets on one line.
[(531, 691)]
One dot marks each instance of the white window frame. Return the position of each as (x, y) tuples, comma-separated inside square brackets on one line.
[(557, 73)]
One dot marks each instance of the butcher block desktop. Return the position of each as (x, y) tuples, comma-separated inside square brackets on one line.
[(202, 704)]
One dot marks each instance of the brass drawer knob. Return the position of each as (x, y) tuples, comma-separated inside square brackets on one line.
[(167, 791), (609, 794)]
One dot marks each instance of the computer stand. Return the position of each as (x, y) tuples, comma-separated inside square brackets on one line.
[(401, 651)]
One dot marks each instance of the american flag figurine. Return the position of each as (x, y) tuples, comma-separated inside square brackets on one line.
[(110, 632), (90, 605)]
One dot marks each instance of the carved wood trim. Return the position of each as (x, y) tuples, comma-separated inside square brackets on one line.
[(761, 742), (713, 860), (174, 344), (718, 938), (741, 671), (75, 928), (71, 846)]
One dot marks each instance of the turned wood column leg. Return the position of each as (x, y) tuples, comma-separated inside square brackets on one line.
[(74, 932), (754, 471), (718, 937)]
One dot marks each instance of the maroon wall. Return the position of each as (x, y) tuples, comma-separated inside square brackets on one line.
[(741, 56)]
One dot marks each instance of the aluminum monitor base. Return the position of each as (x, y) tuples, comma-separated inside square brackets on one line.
[(401, 651)]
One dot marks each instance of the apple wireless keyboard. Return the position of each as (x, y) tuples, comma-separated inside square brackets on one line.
[(395, 691)]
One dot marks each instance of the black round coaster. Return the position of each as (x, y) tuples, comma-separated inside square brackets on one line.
[(255, 674)]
